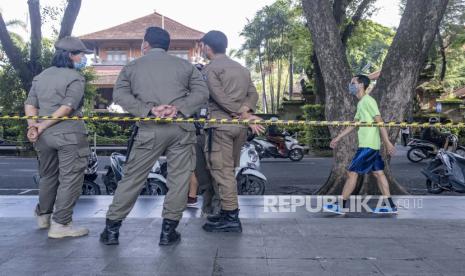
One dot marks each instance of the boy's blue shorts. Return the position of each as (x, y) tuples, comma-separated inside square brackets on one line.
[(366, 160)]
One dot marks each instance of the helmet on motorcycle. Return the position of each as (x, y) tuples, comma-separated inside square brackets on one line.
[(433, 120)]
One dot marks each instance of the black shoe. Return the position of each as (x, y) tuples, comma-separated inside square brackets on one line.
[(217, 217), (228, 223), (110, 234), (168, 235)]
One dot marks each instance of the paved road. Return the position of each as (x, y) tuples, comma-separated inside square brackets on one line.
[(284, 177)]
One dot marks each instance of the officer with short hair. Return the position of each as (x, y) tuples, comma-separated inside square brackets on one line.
[(62, 146), (161, 85), (232, 95)]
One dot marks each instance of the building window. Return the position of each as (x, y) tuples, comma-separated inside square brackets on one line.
[(117, 56)]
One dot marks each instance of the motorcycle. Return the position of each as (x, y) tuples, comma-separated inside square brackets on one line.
[(155, 184), (250, 181), (423, 150), (445, 173), (89, 187), (266, 148)]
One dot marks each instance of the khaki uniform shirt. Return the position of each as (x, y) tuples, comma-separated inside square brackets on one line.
[(231, 88), (159, 78), (55, 87)]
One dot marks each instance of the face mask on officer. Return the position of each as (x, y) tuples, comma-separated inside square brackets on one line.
[(81, 64)]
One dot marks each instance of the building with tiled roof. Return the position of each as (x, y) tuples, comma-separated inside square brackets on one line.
[(460, 93), (116, 46)]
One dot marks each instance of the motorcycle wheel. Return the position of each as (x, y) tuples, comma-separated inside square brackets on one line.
[(296, 155), (155, 188), (250, 185), (433, 188), (110, 183), (413, 155), (91, 177), (90, 188)]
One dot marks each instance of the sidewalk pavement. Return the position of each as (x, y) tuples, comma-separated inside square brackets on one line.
[(419, 241)]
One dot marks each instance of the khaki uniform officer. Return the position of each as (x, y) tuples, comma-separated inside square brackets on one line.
[(232, 95), (61, 146), (161, 85)]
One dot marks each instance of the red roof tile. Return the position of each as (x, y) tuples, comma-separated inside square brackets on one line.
[(135, 30)]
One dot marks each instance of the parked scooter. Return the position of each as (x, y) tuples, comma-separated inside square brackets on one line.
[(250, 181), (89, 187), (155, 184), (423, 150), (445, 173), (267, 148)]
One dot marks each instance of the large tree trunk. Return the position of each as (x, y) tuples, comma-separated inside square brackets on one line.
[(36, 36), (291, 74), (336, 74), (320, 93), (398, 78), (280, 77), (262, 74), (69, 18), (442, 51)]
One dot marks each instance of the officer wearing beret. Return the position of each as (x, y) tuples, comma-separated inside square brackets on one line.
[(62, 146)]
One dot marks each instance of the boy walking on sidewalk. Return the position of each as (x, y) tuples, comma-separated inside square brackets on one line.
[(368, 158)]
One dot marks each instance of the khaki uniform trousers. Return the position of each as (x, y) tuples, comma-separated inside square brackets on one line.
[(222, 160), (150, 143), (62, 159)]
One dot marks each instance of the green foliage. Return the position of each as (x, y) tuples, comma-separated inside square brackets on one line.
[(109, 132), (317, 138), (451, 40), (455, 76), (90, 91), (12, 95), (369, 45), (271, 36)]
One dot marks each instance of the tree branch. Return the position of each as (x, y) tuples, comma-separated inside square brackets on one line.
[(349, 29), (13, 54), (69, 18), (340, 10), (36, 36)]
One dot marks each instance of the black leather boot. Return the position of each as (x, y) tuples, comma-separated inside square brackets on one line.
[(230, 222), (217, 217), (169, 235), (110, 234)]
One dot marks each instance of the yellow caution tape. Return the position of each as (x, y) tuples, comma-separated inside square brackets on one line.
[(236, 121)]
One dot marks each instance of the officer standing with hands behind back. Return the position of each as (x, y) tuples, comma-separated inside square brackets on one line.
[(232, 95), (61, 146), (160, 85)]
